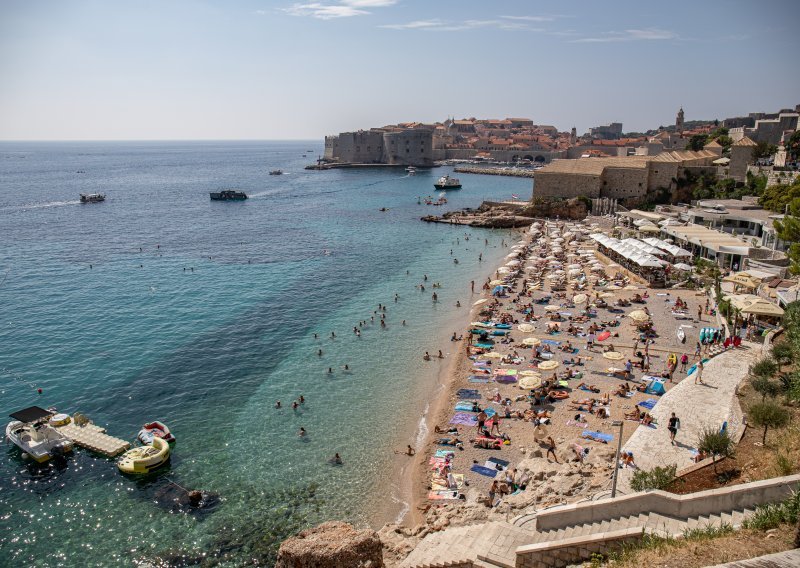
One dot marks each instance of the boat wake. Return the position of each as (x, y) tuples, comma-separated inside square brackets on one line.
[(40, 205)]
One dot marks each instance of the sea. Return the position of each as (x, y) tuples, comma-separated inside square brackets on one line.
[(160, 304)]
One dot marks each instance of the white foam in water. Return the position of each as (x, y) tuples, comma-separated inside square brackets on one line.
[(422, 428)]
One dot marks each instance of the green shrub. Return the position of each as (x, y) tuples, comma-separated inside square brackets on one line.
[(716, 443), (771, 515), (765, 386), (657, 478), (783, 463), (766, 367), (782, 352), (769, 415)]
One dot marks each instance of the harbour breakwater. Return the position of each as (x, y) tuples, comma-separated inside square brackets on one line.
[(515, 172)]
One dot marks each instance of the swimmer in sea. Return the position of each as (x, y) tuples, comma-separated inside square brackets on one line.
[(458, 304), (330, 370), (336, 460), (302, 399), (426, 357), (301, 432), (278, 404), (295, 404), (319, 353), (346, 367)]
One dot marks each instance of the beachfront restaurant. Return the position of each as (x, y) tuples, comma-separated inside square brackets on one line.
[(723, 249), (631, 255), (756, 315)]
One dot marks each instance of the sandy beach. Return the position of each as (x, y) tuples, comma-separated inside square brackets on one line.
[(471, 376)]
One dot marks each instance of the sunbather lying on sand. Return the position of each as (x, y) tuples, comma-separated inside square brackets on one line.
[(592, 388)]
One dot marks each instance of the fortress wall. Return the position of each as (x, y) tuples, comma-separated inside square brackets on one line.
[(408, 147), (554, 184), (624, 183)]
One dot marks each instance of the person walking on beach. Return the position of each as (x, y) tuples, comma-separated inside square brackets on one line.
[(697, 349), (699, 374), (551, 449), (495, 424), (673, 426), (699, 313), (684, 362)]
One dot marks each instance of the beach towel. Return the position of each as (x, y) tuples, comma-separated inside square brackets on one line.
[(603, 335), (488, 472), (445, 454), (597, 436), (648, 404), (468, 393), (585, 388), (693, 368), (507, 379), (551, 342), (490, 411), (502, 463), (465, 419), (464, 406), (443, 495), (476, 379), (579, 424)]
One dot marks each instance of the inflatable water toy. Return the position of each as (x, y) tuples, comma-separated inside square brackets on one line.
[(155, 429), (145, 459)]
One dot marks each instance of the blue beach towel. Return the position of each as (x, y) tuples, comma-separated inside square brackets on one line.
[(445, 454), (693, 368), (489, 411), (477, 379), (500, 462), (597, 436), (464, 406), (648, 404), (483, 470), (551, 342), (468, 393)]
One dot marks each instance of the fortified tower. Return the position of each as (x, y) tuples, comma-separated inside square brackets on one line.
[(573, 136), (679, 121)]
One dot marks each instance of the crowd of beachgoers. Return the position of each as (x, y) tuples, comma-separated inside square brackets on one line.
[(566, 352)]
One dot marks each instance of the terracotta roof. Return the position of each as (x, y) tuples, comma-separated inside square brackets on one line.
[(713, 144), (745, 142), (593, 166)]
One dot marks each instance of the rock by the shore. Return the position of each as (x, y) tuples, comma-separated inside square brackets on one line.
[(332, 545), (511, 215)]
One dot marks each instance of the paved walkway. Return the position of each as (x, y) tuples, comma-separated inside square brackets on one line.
[(788, 559), (697, 406)]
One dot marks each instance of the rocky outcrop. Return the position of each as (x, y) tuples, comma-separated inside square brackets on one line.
[(332, 545), (494, 215)]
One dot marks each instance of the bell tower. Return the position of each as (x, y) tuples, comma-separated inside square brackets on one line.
[(679, 121)]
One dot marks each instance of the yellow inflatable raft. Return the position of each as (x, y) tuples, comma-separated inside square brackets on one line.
[(144, 459)]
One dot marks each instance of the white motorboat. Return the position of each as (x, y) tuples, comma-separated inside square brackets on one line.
[(446, 182), (31, 432), (412, 171)]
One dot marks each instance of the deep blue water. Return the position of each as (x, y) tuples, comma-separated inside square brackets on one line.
[(160, 304)]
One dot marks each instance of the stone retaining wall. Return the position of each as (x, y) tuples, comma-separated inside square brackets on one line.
[(571, 550), (712, 501)]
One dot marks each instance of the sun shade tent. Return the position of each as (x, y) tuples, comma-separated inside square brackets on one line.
[(31, 414)]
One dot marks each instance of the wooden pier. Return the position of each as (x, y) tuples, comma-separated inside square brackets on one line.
[(93, 437)]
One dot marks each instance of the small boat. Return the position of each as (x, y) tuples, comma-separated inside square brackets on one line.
[(276, 172), (446, 182), (32, 433), (228, 195), (155, 429), (412, 171), (145, 459), (681, 334), (92, 197)]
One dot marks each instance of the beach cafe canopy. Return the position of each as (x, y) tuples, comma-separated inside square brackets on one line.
[(627, 250), (743, 279), (671, 249), (755, 305)]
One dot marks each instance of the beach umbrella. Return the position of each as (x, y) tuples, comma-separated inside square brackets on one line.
[(638, 316), (579, 299), (513, 263), (613, 288), (682, 266), (496, 283), (529, 373), (574, 266), (481, 301), (631, 287), (532, 341), (525, 327), (613, 355), (552, 308), (549, 365), (530, 382), (605, 295)]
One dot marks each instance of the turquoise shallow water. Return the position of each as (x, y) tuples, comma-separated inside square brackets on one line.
[(127, 336)]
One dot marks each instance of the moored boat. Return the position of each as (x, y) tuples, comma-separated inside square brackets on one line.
[(446, 182), (228, 195), (92, 197), (31, 432), (145, 459), (276, 172), (155, 429)]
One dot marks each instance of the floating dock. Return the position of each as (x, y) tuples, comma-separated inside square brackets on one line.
[(93, 437)]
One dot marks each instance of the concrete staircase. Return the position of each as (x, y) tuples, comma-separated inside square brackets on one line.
[(569, 533)]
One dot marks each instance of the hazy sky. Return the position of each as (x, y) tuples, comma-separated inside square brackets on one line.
[(275, 69)]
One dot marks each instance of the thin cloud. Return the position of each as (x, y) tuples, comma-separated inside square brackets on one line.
[(455, 26), (648, 34), (530, 18), (341, 9)]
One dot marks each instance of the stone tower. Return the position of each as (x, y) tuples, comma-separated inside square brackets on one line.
[(741, 156), (679, 121), (573, 136)]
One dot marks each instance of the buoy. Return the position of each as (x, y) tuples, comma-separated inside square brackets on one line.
[(39, 391)]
